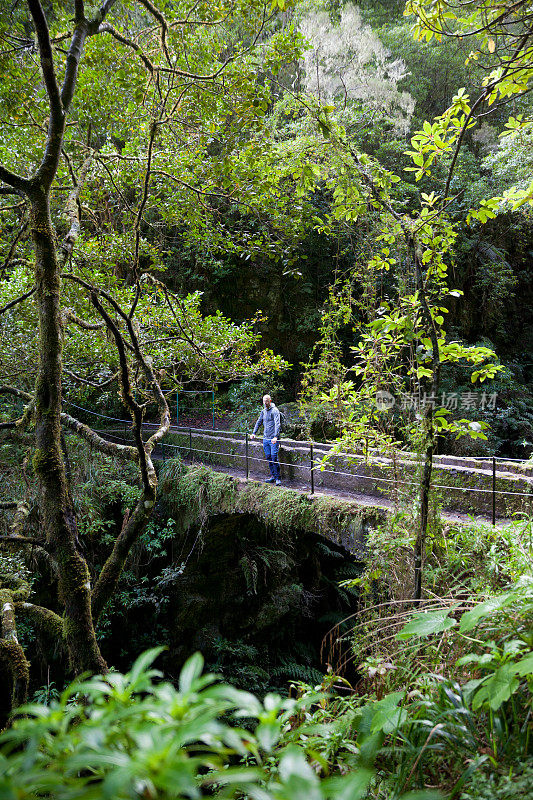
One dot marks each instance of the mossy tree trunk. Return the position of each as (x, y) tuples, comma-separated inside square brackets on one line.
[(58, 515), (14, 668)]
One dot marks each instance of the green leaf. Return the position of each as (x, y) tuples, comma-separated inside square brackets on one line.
[(524, 667), (427, 624), (143, 662), (386, 716), (353, 786), (192, 669), (268, 734), (470, 619), (301, 782), (497, 689)]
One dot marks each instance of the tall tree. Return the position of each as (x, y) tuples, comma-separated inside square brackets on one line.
[(191, 68), (422, 241)]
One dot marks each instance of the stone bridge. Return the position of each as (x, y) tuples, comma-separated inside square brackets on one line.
[(198, 494), (461, 485)]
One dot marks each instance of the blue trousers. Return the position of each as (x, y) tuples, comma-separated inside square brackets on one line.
[(271, 453)]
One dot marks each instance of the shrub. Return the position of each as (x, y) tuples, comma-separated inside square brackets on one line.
[(136, 736)]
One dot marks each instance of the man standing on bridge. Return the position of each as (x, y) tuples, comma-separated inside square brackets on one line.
[(270, 419)]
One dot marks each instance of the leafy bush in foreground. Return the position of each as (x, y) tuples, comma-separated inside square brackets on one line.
[(135, 736)]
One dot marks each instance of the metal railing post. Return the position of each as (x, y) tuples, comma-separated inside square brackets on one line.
[(190, 444), (312, 469), (247, 469), (493, 490)]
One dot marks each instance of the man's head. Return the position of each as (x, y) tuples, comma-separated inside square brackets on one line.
[(267, 400)]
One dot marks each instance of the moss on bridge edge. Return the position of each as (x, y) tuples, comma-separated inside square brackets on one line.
[(194, 494)]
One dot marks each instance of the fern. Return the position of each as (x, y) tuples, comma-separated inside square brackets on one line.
[(347, 571), (301, 672), (327, 552), (273, 558), (250, 572)]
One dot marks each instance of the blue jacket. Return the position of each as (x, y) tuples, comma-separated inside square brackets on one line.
[(270, 419)]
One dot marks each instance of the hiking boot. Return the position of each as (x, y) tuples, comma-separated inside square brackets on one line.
[(269, 480), (278, 482)]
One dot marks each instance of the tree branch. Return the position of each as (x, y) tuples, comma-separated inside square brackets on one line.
[(18, 184), (9, 190), (137, 226), (72, 210), (81, 323), (12, 250), (22, 395), (132, 527), (107, 28), (21, 540), (163, 24), (127, 394), (59, 100), (47, 60), (44, 620), (122, 451), (75, 50), (87, 382), (16, 301)]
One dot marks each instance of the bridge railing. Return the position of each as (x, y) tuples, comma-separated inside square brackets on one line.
[(307, 464)]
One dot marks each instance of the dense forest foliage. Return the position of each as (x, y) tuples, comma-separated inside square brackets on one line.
[(327, 201)]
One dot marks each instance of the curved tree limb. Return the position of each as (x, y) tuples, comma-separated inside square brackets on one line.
[(87, 382), (70, 316), (16, 540), (73, 212), (132, 527), (122, 451), (18, 185), (107, 28), (44, 619), (12, 249), (16, 301), (20, 393)]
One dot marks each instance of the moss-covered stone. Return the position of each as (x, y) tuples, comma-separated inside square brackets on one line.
[(199, 493)]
